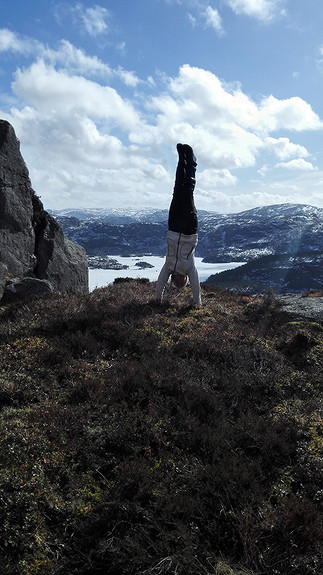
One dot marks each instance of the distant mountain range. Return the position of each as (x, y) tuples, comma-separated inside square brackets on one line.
[(282, 245)]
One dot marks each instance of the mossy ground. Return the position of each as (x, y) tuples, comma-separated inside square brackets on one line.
[(139, 438)]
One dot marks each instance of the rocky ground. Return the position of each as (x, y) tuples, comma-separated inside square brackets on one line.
[(306, 305)]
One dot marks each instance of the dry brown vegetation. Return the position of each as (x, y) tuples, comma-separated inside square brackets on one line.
[(139, 438)]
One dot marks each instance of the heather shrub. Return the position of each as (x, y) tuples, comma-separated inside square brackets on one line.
[(145, 438)]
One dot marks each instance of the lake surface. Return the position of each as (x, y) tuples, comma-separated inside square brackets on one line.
[(100, 278)]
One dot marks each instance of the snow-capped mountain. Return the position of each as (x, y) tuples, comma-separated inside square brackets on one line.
[(115, 216), (278, 230)]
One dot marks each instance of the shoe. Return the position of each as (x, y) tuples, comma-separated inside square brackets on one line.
[(179, 148), (189, 154)]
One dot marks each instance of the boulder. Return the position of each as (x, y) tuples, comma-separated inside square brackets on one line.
[(32, 244), (17, 288)]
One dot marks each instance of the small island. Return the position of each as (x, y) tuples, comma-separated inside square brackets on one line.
[(143, 265), (105, 263)]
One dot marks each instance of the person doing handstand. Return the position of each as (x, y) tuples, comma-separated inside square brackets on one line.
[(182, 236)]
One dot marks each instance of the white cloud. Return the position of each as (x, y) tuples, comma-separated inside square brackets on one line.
[(284, 149), (74, 58), (263, 170), (58, 93), (228, 127), (87, 145), (192, 19), (67, 56), (297, 164), (11, 42), (291, 114), (263, 10), (128, 78), (95, 20), (203, 13), (212, 178), (213, 19)]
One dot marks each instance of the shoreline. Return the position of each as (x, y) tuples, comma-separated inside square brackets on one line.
[(99, 277)]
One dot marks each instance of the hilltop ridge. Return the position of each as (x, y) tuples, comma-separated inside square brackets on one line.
[(277, 229), (140, 438)]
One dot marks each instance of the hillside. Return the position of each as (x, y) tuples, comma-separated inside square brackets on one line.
[(139, 438), (282, 244), (278, 229), (282, 273)]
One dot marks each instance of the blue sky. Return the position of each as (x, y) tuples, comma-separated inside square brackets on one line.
[(99, 93)]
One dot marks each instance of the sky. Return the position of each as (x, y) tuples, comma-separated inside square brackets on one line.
[(99, 94)]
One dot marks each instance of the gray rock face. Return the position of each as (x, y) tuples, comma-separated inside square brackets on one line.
[(59, 260), (3, 277), (17, 237), (32, 244)]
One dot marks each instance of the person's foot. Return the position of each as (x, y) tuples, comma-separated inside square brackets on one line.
[(189, 154)]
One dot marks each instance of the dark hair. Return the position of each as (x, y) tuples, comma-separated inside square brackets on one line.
[(179, 280)]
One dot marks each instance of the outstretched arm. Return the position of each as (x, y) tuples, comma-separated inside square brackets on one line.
[(195, 286), (161, 282)]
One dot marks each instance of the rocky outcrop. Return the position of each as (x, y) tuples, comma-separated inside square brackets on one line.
[(17, 237), (20, 288), (305, 305), (58, 259), (32, 244)]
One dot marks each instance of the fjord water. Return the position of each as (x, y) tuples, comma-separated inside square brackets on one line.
[(100, 278)]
